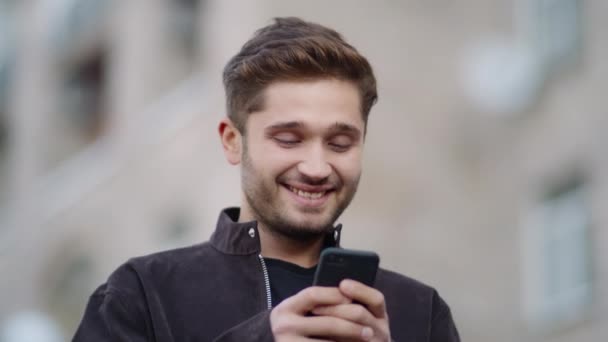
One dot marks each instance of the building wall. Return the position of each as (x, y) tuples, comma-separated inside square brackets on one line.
[(446, 185)]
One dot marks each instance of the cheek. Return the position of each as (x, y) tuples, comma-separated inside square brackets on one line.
[(349, 167), (270, 160)]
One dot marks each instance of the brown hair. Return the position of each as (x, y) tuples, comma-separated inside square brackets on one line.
[(292, 49)]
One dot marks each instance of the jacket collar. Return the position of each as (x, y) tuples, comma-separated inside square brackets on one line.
[(243, 238)]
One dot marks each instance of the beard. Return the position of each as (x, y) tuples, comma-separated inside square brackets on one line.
[(279, 218)]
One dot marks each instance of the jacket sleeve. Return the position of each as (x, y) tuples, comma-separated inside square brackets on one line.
[(443, 328), (107, 317), (256, 328)]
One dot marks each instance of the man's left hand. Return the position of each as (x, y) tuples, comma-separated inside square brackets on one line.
[(368, 309)]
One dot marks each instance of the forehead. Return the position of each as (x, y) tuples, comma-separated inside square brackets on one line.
[(315, 103)]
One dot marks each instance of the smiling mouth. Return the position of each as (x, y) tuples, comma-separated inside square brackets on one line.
[(306, 194)]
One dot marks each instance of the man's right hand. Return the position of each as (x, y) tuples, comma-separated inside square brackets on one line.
[(291, 320)]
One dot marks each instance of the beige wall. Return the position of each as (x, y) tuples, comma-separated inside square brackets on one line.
[(444, 187)]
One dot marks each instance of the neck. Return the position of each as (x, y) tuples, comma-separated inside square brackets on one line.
[(301, 253)]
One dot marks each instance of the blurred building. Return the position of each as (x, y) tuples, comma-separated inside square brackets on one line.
[(485, 169)]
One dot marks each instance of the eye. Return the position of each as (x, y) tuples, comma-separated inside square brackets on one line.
[(340, 143), (286, 139)]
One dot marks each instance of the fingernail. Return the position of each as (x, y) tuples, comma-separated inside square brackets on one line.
[(367, 333)]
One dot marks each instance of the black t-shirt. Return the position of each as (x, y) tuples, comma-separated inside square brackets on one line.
[(287, 279)]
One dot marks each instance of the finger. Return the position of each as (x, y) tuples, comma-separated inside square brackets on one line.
[(311, 297), (322, 327), (351, 312), (303, 339), (307, 339), (368, 296), (333, 327)]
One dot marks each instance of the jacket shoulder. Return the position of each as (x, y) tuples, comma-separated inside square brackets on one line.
[(174, 256), (397, 282), (406, 297), (158, 265), (183, 259)]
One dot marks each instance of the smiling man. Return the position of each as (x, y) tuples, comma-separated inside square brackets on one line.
[(301, 159), (298, 99)]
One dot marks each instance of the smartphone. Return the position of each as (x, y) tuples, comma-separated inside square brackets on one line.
[(336, 264)]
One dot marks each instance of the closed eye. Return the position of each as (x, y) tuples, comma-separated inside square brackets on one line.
[(340, 143), (288, 142), (339, 147), (286, 139)]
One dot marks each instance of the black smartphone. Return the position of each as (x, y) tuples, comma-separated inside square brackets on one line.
[(336, 264)]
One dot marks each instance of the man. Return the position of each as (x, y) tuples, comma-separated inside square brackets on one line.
[(298, 99)]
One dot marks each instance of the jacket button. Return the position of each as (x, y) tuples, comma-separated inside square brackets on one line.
[(252, 232)]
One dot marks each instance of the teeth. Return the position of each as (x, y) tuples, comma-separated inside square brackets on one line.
[(308, 195)]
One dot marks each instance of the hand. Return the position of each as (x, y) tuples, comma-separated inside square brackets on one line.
[(290, 320), (365, 308)]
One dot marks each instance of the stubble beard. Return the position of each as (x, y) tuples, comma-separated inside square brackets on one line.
[(268, 211)]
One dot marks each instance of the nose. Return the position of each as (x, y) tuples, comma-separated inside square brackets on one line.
[(315, 166)]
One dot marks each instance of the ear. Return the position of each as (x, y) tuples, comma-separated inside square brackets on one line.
[(231, 141)]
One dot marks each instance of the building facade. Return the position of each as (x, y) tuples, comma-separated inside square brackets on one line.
[(485, 170)]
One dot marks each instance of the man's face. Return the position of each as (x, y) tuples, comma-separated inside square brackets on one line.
[(301, 158)]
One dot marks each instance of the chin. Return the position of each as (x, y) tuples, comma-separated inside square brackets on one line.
[(313, 221), (313, 226)]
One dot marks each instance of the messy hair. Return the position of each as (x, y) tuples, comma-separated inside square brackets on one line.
[(292, 49)]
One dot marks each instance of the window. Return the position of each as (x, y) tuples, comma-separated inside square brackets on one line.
[(6, 60), (184, 19), (80, 116), (553, 28), (84, 96), (557, 258), (3, 155), (77, 20)]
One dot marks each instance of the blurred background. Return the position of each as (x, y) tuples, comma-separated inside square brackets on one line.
[(485, 172)]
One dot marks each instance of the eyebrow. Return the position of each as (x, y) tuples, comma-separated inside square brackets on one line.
[(284, 125), (338, 127)]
